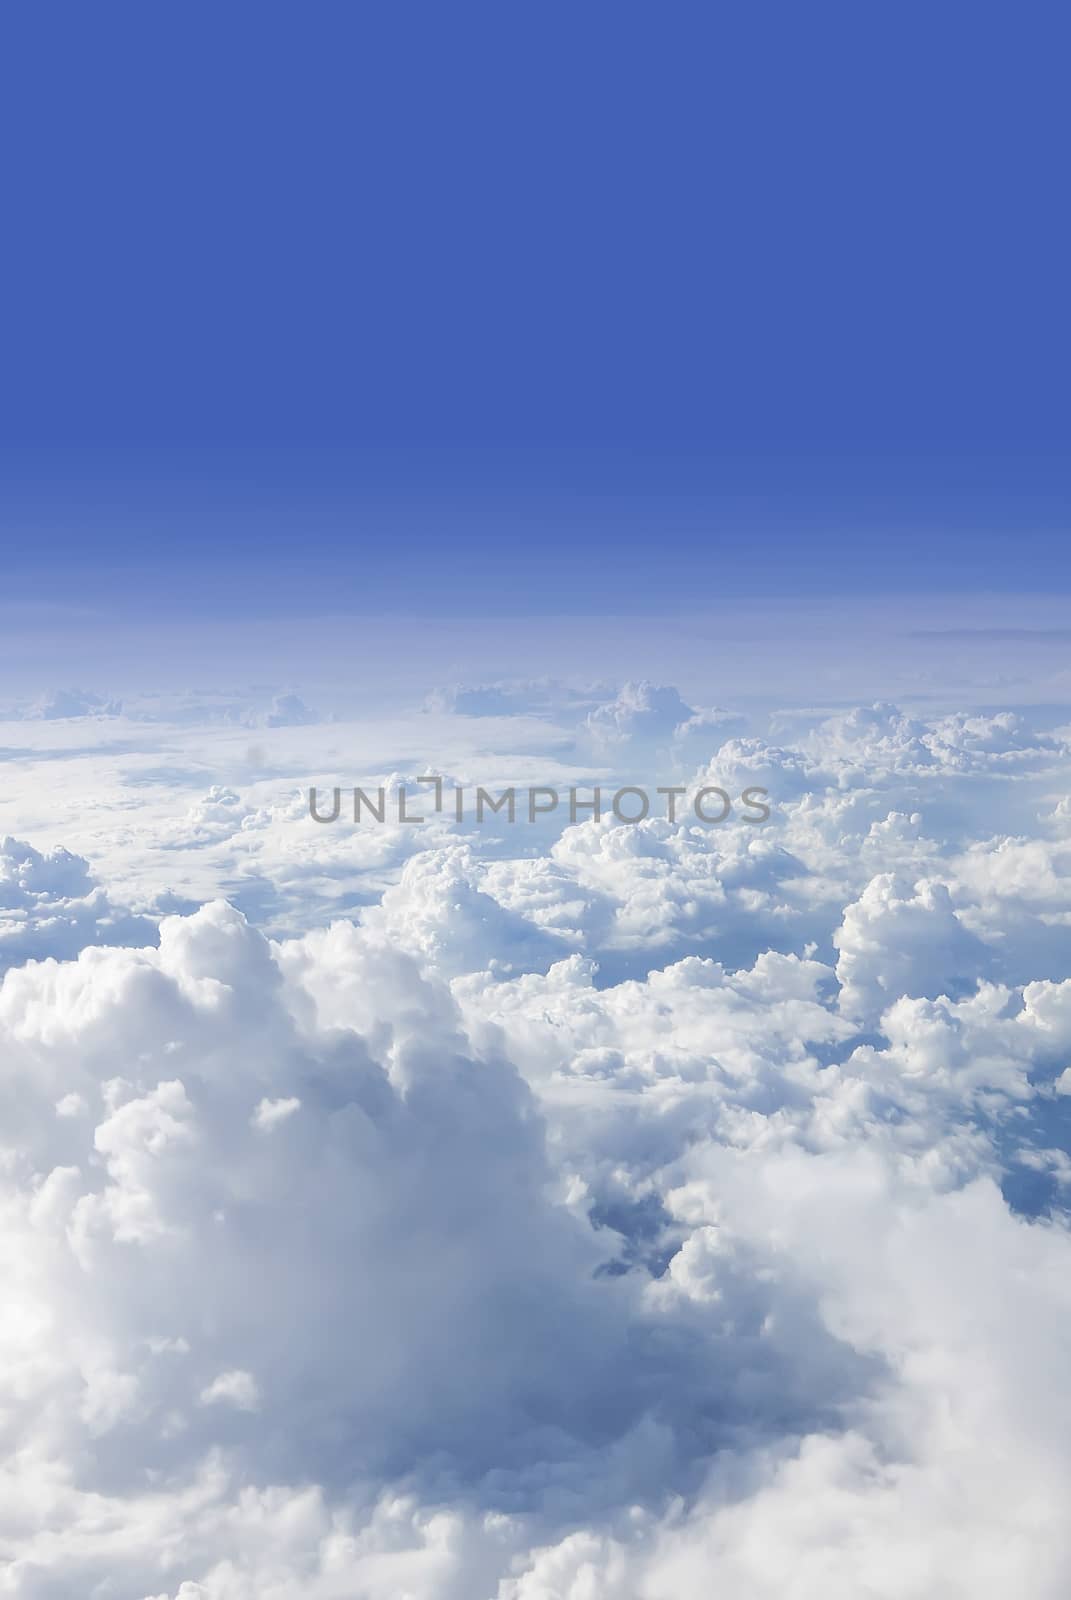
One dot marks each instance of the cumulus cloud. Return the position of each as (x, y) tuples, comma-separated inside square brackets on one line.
[(896, 940), (647, 715), (50, 905), (610, 1213)]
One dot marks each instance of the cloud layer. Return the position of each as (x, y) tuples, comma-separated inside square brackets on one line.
[(602, 1213)]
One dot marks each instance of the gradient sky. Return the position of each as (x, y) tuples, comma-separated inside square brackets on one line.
[(569, 309)]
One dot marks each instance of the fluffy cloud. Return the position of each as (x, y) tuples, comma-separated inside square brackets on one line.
[(49, 905), (609, 1213), (645, 716)]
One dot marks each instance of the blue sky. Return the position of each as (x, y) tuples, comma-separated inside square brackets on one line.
[(412, 309)]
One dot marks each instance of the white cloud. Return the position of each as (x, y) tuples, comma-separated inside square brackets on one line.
[(50, 905), (235, 1388), (619, 1213), (270, 1113)]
